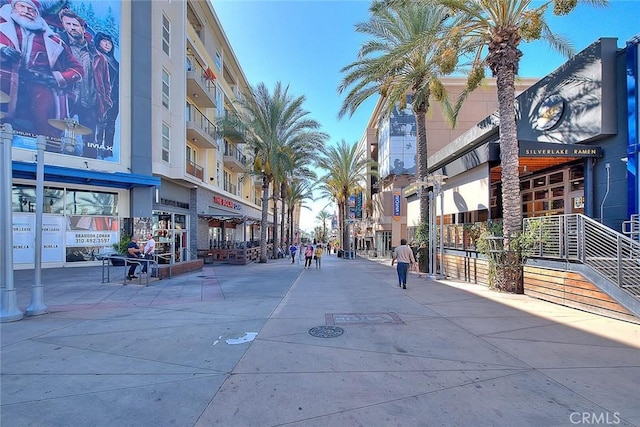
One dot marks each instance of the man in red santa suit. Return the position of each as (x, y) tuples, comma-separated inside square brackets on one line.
[(37, 69)]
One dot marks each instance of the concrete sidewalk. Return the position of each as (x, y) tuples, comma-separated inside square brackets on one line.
[(231, 346)]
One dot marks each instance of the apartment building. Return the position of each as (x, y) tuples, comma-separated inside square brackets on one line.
[(147, 155)]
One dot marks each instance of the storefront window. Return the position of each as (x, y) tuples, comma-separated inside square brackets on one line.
[(80, 202), (557, 192), (23, 199), (171, 235)]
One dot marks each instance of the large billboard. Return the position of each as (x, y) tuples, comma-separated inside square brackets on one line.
[(397, 142), (60, 75)]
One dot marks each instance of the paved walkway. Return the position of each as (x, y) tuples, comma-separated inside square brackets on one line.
[(230, 346)]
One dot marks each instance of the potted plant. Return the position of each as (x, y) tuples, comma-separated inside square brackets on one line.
[(121, 250)]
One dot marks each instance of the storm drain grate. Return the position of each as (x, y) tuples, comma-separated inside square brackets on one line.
[(362, 318), (326, 331)]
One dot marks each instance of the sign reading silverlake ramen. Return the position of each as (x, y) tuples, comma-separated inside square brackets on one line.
[(540, 149)]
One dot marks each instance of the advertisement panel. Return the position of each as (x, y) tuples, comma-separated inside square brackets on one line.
[(397, 204), (62, 81), (397, 142), (89, 236), (24, 237)]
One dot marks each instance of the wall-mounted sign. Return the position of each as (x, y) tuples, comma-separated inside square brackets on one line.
[(550, 112), (545, 149), (397, 199), (226, 203)]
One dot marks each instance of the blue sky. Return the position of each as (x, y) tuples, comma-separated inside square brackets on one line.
[(305, 43)]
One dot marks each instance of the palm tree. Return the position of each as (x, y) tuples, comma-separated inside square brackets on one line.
[(345, 167), (297, 192), (403, 56), (298, 166), (496, 28), (272, 124), (323, 216)]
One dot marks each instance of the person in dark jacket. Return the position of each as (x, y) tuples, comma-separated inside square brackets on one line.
[(107, 124)]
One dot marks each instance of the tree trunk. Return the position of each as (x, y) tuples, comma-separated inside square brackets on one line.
[(511, 206), (274, 251), (264, 223), (422, 169)]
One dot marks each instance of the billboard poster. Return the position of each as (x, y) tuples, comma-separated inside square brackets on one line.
[(352, 207), (63, 80), (397, 204), (87, 237), (24, 238), (397, 142)]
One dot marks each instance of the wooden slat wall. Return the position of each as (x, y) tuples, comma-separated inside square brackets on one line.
[(566, 288)]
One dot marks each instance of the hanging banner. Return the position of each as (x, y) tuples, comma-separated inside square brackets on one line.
[(397, 199)]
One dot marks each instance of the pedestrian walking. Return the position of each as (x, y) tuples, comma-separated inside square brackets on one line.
[(317, 255), (404, 257), (293, 249), (308, 255)]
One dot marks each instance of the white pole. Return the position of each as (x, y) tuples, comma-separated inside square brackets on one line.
[(432, 236), (442, 276), (37, 305), (9, 310)]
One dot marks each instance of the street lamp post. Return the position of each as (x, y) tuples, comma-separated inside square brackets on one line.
[(436, 181), (37, 305), (9, 310)]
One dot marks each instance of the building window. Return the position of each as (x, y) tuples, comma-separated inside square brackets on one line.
[(191, 155), (166, 34), (165, 88), (165, 143), (553, 193), (218, 61)]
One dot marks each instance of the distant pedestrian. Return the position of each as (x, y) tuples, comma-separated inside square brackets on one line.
[(308, 255), (293, 249), (317, 255), (404, 256)]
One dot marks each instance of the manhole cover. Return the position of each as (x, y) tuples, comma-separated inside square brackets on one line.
[(326, 331)]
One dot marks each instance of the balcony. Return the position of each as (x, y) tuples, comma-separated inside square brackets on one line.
[(200, 131), (236, 134), (200, 87), (230, 188), (233, 158), (195, 169)]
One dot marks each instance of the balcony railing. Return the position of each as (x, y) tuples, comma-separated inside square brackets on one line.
[(230, 188), (196, 72), (197, 119), (195, 169), (232, 151)]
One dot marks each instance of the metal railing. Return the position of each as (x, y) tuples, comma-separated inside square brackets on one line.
[(196, 116), (631, 228), (575, 237), (200, 75), (232, 151), (195, 169)]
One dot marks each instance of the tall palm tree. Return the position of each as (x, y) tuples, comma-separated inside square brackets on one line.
[(345, 165), (403, 56), (297, 192), (272, 123), (299, 166), (494, 30), (323, 216)]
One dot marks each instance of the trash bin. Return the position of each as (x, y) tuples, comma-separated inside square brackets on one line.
[(340, 253)]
